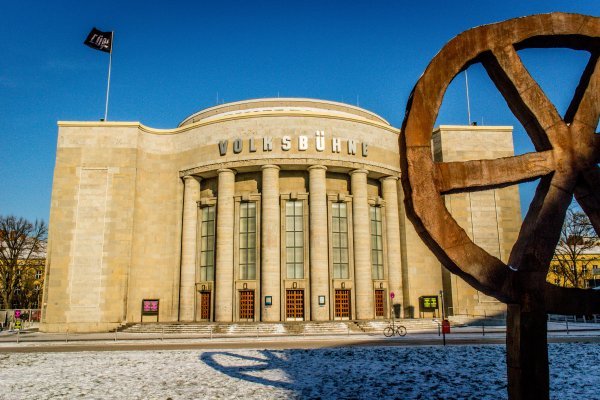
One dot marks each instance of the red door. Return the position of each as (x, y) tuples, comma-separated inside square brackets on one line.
[(295, 304), (379, 296), (247, 304), (205, 306), (342, 303)]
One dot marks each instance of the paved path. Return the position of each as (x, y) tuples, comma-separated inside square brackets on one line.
[(43, 342)]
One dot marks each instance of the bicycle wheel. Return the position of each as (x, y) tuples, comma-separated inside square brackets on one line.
[(401, 331), (388, 331)]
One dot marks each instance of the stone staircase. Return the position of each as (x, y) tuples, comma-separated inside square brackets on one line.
[(330, 328), (298, 328)]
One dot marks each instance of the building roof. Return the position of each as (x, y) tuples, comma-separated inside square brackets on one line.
[(283, 105)]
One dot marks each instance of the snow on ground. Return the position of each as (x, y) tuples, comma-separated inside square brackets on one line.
[(425, 372)]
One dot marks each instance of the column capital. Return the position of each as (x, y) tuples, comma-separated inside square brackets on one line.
[(324, 168), (359, 171), (389, 178), (192, 177), (226, 170), (270, 166)]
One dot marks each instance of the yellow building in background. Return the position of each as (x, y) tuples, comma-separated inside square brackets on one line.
[(581, 270)]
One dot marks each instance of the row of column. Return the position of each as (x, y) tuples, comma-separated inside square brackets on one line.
[(270, 242)]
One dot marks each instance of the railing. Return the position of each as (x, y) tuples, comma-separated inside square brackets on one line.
[(594, 318)]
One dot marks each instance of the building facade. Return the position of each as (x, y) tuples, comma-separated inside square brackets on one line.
[(576, 267), (260, 210)]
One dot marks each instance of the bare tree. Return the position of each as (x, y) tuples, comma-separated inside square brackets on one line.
[(21, 241), (577, 239)]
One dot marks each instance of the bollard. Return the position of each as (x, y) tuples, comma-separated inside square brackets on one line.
[(67, 336), (483, 328), (115, 334), (567, 322), (257, 331)]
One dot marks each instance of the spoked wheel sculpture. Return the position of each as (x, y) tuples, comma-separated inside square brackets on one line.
[(566, 162)]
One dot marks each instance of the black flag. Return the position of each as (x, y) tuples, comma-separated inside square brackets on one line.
[(99, 40)]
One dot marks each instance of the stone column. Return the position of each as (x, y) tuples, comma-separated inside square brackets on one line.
[(187, 290), (362, 245), (270, 243), (392, 235), (224, 263), (319, 244)]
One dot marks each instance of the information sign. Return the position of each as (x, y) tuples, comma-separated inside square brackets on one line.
[(150, 307), (428, 303)]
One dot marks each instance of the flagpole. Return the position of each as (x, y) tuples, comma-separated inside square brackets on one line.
[(468, 102), (109, 67)]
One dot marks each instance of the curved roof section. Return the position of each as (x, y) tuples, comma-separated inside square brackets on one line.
[(275, 105)]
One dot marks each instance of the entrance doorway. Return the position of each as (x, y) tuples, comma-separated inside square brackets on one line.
[(342, 303), (205, 306), (247, 305), (294, 300), (379, 308)]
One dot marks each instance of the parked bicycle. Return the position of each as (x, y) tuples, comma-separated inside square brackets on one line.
[(394, 329)]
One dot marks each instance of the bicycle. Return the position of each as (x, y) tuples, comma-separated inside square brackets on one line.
[(394, 329)]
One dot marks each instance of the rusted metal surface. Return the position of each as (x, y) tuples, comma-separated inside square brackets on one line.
[(566, 157)]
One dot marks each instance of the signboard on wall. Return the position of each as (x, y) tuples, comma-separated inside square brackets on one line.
[(428, 303), (150, 307)]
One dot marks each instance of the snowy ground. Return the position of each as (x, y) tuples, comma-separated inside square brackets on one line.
[(425, 372)]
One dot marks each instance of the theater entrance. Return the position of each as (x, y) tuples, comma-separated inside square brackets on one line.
[(247, 305), (342, 304), (379, 303), (205, 306), (294, 304)]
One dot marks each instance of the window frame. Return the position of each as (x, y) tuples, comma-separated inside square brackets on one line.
[(378, 272), (201, 247), (298, 272)]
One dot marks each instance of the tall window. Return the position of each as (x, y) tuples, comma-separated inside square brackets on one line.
[(294, 239), (339, 233), (207, 250), (248, 240), (376, 243)]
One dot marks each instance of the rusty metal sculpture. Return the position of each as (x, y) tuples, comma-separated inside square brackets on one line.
[(566, 162)]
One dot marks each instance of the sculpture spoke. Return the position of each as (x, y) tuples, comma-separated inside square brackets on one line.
[(585, 106), (587, 194), (523, 95), (541, 228), (569, 301), (489, 174)]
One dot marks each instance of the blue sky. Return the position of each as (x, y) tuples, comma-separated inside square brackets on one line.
[(172, 59)]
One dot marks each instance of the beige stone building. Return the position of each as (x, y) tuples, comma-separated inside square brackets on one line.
[(260, 210)]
